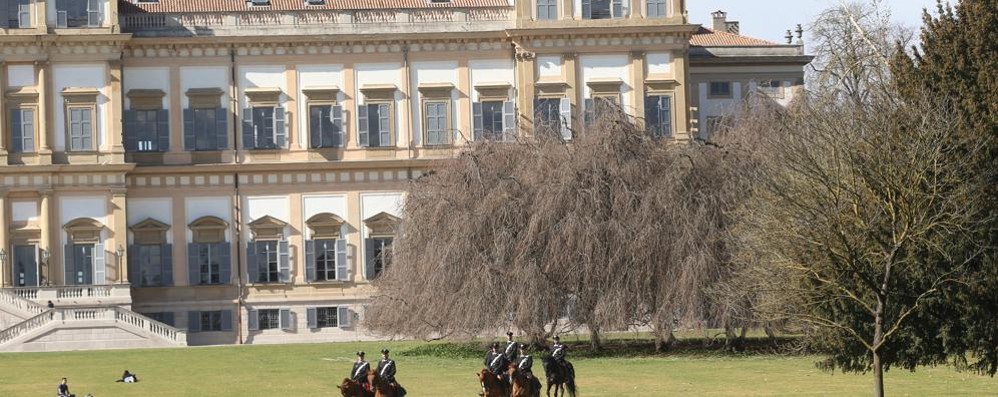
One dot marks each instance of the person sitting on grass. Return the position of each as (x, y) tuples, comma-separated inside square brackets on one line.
[(128, 377), (63, 389)]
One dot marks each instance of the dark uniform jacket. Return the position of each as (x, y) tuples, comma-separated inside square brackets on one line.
[(496, 363), (510, 351), (559, 351), (386, 370), (359, 371), (526, 363)]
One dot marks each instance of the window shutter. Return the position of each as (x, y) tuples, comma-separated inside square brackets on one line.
[(362, 126), (565, 111), (193, 321), (226, 320), (315, 127), (86, 129), (665, 116), (189, 137), (508, 119), (341, 260), (651, 115), (134, 267), (311, 318), (162, 130), (93, 13), (69, 270), (131, 131), (17, 131), (62, 18), (343, 316), (224, 262), (286, 320), (166, 258), (193, 267), (587, 9), (252, 268), (476, 114), (221, 128), (100, 262), (384, 127), (337, 116), (23, 16), (249, 132), (27, 130), (283, 261), (253, 320), (589, 113), (369, 258), (310, 260), (280, 128)]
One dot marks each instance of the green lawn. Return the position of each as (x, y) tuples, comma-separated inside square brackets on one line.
[(314, 370)]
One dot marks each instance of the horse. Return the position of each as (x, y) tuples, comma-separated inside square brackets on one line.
[(522, 385), (352, 388), (491, 386), (561, 377), (381, 387)]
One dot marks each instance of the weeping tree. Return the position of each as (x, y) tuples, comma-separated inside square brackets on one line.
[(544, 236)]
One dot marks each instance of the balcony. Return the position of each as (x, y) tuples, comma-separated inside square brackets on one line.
[(324, 22), (77, 295)]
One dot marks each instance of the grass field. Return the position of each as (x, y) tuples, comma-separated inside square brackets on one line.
[(314, 370)]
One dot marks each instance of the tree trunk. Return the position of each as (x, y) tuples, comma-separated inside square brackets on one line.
[(878, 375), (594, 338), (878, 338)]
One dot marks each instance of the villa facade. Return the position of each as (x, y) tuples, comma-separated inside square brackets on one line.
[(233, 170)]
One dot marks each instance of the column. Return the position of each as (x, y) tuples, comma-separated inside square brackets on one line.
[(3, 112), (683, 92), (43, 74), (525, 91), (296, 131), (120, 232), (5, 270), (113, 124), (573, 89), (45, 240), (567, 11), (638, 85)]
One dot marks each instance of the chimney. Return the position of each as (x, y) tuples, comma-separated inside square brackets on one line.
[(722, 24)]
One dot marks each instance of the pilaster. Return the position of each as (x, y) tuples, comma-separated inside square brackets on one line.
[(638, 85), (296, 131), (525, 75), (5, 270), (3, 113), (463, 103), (46, 115), (120, 233), (113, 124), (572, 90), (683, 92), (45, 240)]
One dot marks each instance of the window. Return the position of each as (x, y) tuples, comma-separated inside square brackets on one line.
[(22, 130), (147, 130), (268, 261), (18, 14), (81, 131), (264, 127), (379, 251), (495, 120), (269, 319), (209, 263), (553, 115), (656, 8), (315, 2), (328, 317), (720, 89), (547, 9), (84, 264), (152, 264), (206, 121), (435, 122), (772, 88), (25, 266), (209, 321), (325, 126), (326, 260), (601, 105), (163, 317), (658, 116), (260, 3), (604, 9), (78, 13), (374, 125)]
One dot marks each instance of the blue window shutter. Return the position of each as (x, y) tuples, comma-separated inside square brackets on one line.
[(17, 130), (587, 9), (189, 137), (283, 261), (194, 321), (224, 262), (508, 119), (280, 128), (362, 126), (343, 316), (226, 320), (134, 267), (69, 268), (24, 15), (252, 268), (193, 265), (665, 117), (93, 13), (476, 114), (286, 320), (651, 115), (162, 130), (565, 111), (309, 260), (249, 130), (27, 130), (62, 17), (311, 318), (222, 128), (253, 320), (342, 273), (384, 125), (337, 115), (166, 256), (131, 130), (100, 263), (369, 258)]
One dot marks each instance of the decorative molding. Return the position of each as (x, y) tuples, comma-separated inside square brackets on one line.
[(325, 93), (436, 90), (205, 97), (325, 225), (84, 230), (144, 99), (267, 228), (150, 231), (208, 230), (86, 95), (383, 224), (379, 91), (605, 86), (263, 94)]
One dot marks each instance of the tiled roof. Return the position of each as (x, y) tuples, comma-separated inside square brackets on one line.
[(711, 38), (192, 6)]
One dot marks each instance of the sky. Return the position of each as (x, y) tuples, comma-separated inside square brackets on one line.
[(771, 21)]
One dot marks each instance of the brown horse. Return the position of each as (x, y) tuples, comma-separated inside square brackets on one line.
[(491, 386), (352, 388), (380, 386), (523, 386)]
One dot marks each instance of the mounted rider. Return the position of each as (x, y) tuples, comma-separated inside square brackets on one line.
[(558, 350), (496, 362), (359, 372), (386, 371), (525, 363), (511, 348)]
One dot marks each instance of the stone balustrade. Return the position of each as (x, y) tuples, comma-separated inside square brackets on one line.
[(95, 315), (74, 294), (14, 298), (319, 22)]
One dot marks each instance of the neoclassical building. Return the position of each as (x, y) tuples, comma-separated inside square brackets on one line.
[(200, 172)]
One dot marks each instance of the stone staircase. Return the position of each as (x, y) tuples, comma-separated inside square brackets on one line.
[(80, 327)]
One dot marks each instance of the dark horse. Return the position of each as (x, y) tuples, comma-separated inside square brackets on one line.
[(381, 387), (351, 388), (562, 377)]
